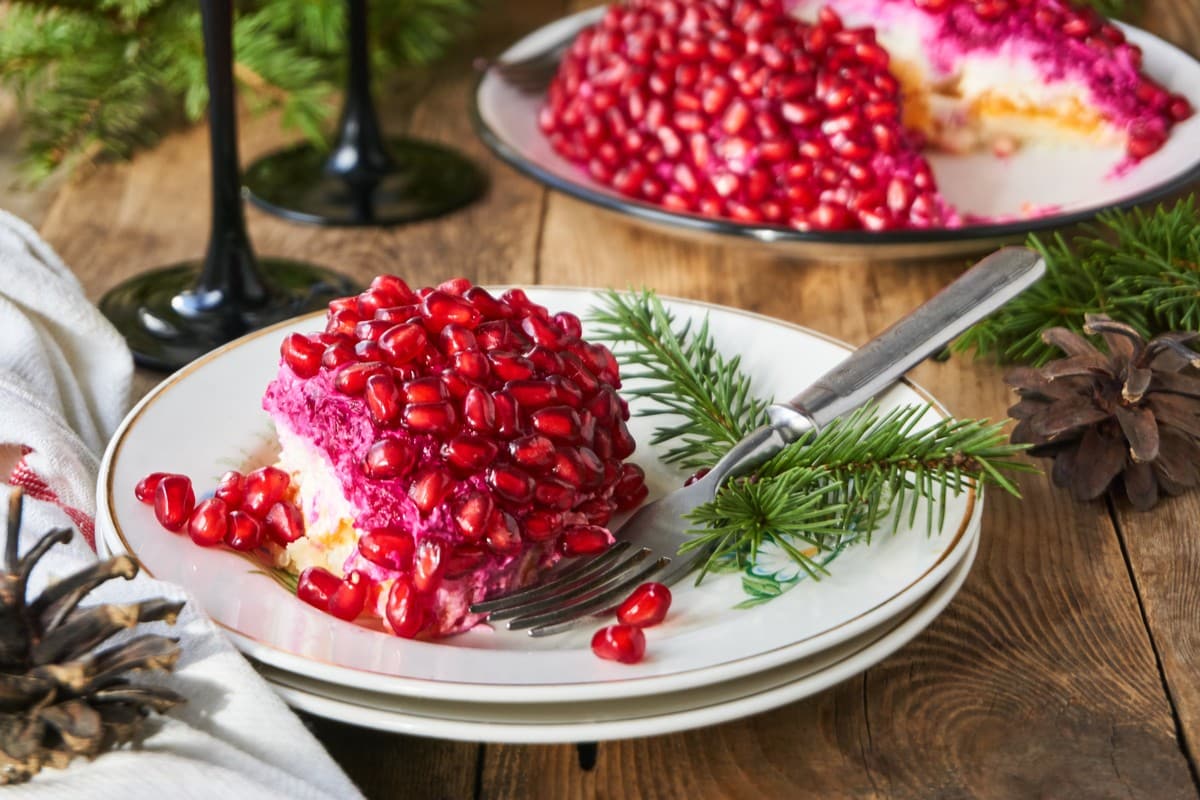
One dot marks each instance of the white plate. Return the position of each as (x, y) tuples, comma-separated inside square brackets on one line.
[(621, 718), (1079, 182), (207, 418)]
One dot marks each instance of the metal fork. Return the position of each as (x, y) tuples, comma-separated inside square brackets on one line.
[(532, 74), (649, 542)]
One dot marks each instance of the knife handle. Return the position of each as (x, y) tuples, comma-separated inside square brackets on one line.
[(882, 361)]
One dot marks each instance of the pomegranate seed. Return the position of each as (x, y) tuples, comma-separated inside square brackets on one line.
[(429, 417), (243, 532), (316, 586), (542, 526), (173, 501), (342, 322), (584, 540), (209, 522), (302, 354), (430, 389), (352, 379), (463, 560), (536, 452), (569, 324), (646, 606), (372, 330), (488, 306), (284, 523), (146, 487), (541, 331), (506, 414), (387, 459), (510, 483), (557, 422), (454, 286), (545, 360), (623, 643), (566, 390), (339, 354), (343, 304), (472, 365), (623, 442), (390, 548), (479, 410), (427, 565), (555, 494), (455, 339), (350, 596), (493, 336), (263, 488), (405, 610), (503, 536), (510, 366), (469, 452), (630, 489), (472, 514), (532, 394), (441, 308), (404, 342), (395, 287), (430, 487), (384, 400), (596, 511)]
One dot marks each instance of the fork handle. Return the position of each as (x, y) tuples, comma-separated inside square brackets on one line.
[(881, 362)]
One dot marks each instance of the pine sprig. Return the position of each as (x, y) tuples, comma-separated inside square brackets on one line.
[(684, 374), (831, 488), (1140, 267), (98, 79)]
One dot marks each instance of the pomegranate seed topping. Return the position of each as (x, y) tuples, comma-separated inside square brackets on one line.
[(395, 287), (144, 491), (510, 366), (244, 532), (263, 487), (469, 452), (472, 365), (532, 394), (339, 354), (405, 609), (479, 410), (584, 540), (455, 286), (384, 400), (174, 501), (503, 536), (352, 379), (623, 643), (554, 494), (316, 586), (387, 459), (542, 332), (545, 360), (455, 339), (342, 322), (427, 565), (429, 417), (596, 511), (463, 560), (510, 483), (473, 513), (536, 452), (557, 422), (630, 489), (350, 596), (488, 306), (506, 414), (569, 324), (646, 606), (623, 442), (209, 522), (542, 526), (372, 330), (390, 548), (440, 309), (404, 342), (284, 523), (430, 487), (302, 354), (426, 390)]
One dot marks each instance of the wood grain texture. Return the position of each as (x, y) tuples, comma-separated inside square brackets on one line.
[(1068, 664)]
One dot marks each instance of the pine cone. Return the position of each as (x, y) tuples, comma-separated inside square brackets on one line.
[(1133, 413), (60, 698)]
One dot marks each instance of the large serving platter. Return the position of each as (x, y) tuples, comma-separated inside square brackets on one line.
[(1073, 183), (207, 418)]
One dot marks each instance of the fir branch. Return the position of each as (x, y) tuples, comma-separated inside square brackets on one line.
[(821, 493), (683, 374), (850, 479), (1140, 267)]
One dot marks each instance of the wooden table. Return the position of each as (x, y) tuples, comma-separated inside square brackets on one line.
[(1069, 664)]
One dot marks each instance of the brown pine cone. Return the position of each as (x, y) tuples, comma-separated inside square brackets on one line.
[(1132, 413)]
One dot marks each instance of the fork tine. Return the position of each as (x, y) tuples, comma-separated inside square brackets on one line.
[(568, 577), (582, 589), (549, 622)]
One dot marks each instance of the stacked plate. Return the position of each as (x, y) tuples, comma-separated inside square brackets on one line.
[(737, 644)]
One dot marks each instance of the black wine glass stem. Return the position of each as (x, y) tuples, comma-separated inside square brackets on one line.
[(360, 153), (230, 275)]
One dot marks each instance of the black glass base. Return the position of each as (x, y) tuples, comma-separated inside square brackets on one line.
[(152, 310), (428, 180)]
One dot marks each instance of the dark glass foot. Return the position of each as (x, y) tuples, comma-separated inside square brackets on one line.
[(428, 180), (156, 311)]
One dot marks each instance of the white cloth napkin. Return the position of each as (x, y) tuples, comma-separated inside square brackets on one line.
[(64, 387)]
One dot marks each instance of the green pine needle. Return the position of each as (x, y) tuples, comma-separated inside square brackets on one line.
[(684, 374), (1140, 267), (830, 488)]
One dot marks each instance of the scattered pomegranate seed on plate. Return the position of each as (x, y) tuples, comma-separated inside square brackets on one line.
[(623, 643), (646, 606)]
